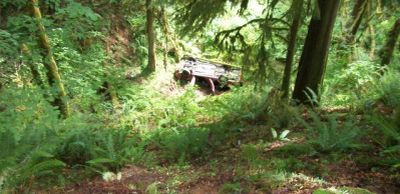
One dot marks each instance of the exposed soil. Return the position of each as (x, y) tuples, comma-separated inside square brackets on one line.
[(134, 179), (138, 179), (207, 177)]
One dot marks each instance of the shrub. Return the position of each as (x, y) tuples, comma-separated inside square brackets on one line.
[(388, 89), (389, 140), (36, 144), (333, 135), (184, 144)]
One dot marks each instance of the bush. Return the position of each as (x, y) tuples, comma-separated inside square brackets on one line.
[(346, 85), (389, 139), (333, 135), (388, 89), (36, 144)]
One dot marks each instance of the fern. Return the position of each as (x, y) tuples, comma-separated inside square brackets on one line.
[(332, 136), (389, 140)]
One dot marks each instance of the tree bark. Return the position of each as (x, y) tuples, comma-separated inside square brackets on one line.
[(386, 53), (169, 36), (371, 33), (294, 28), (113, 95), (35, 73), (50, 64), (355, 21), (315, 52), (372, 46), (150, 36)]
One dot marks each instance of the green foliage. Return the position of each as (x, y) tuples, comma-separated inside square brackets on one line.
[(282, 136), (113, 149), (294, 149), (80, 22), (94, 42), (28, 136), (388, 90), (250, 155), (153, 188), (8, 56), (147, 108), (342, 190), (37, 145), (8, 44), (231, 188), (242, 103), (349, 83), (181, 145), (388, 139), (333, 135)]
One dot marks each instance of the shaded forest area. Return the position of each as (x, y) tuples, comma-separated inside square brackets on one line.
[(89, 102)]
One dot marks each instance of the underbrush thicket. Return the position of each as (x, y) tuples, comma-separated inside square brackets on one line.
[(36, 144), (148, 129), (157, 122), (151, 128)]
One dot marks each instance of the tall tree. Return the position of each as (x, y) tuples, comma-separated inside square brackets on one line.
[(353, 25), (50, 64), (315, 51), (386, 53), (150, 36), (297, 8), (34, 71), (170, 39)]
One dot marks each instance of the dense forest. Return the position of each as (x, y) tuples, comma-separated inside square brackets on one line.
[(200, 96)]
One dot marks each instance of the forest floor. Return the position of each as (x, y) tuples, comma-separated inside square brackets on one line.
[(227, 170), (252, 163), (225, 177)]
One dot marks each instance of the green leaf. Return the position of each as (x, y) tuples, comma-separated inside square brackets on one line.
[(48, 165), (274, 133), (284, 134), (100, 161)]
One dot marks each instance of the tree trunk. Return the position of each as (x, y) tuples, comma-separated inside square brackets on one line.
[(355, 21), (294, 28), (50, 64), (386, 53), (150, 36), (372, 46), (163, 22), (169, 36), (109, 90), (35, 73), (371, 34), (315, 52)]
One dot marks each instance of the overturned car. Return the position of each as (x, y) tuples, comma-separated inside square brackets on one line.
[(217, 75)]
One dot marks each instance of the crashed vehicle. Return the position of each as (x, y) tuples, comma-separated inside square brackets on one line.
[(216, 74)]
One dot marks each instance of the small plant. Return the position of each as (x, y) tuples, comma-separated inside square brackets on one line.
[(282, 136), (312, 97), (390, 140), (231, 188), (342, 190), (333, 135), (153, 188)]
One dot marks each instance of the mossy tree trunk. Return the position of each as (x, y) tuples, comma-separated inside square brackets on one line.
[(150, 36), (169, 36), (353, 25), (387, 51), (315, 52), (371, 33), (113, 96), (34, 71), (294, 28), (50, 64)]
